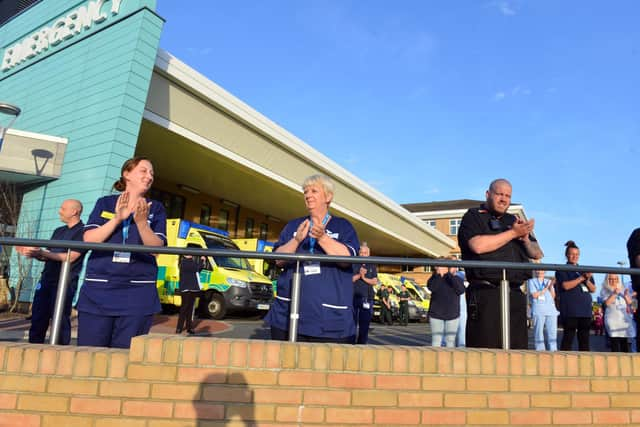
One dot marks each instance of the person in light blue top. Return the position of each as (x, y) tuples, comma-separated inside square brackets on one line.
[(543, 312)]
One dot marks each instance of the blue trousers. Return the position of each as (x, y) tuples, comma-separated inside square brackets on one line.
[(545, 329), (362, 317), (443, 328), (44, 302), (111, 331)]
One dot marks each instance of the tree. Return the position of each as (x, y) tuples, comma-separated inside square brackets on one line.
[(10, 264)]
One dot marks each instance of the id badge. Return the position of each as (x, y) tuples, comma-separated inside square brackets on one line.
[(584, 288), (366, 305), (541, 298), (121, 257), (311, 269)]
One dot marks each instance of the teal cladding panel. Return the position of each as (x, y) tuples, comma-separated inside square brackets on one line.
[(90, 89)]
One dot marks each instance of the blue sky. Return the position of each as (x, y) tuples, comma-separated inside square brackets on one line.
[(431, 100)]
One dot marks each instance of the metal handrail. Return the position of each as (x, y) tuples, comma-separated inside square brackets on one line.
[(295, 292)]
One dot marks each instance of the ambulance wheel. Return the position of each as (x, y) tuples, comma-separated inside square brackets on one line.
[(216, 308)]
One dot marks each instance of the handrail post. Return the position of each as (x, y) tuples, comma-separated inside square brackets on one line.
[(505, 311), (61, 298), (295, 304)]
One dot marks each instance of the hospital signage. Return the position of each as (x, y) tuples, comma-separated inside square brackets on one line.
[(63, 28)]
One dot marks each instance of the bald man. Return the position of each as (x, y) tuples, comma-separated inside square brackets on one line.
[(44, 299), (490, 233)]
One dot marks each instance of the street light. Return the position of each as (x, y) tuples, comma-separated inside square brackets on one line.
[(12, 112), (622, 264)]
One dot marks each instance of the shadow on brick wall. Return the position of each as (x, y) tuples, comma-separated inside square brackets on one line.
[(225, 396)]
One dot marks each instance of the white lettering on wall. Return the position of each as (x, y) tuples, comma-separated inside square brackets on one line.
[(64, 28)]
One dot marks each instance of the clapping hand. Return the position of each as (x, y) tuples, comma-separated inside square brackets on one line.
[(141, 212), (317, 231), (122, 206), (302, 231), (523, 228)]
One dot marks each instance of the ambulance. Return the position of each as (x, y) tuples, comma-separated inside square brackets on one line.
[(230, 284), (417, 312), (418, 293), (266, 267)]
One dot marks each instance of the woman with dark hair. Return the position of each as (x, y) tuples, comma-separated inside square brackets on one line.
[(119, 296), (444, 310), (190, 267), (574, 290)]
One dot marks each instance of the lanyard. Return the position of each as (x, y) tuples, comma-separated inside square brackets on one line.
[(125, 229), (540, 285), (312, 240)]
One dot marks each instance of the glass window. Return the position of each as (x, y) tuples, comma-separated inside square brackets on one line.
[(454, 224), (248, 230), (431, 223), (173, 203), (264, 231), (223, 220), (205, 214)]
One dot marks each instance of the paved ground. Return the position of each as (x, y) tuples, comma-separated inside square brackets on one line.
[(416, 334)]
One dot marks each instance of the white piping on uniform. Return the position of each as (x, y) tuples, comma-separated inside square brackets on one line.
[(96, 280), (142, 281), (353, 250), (339, 307), (283, 298)]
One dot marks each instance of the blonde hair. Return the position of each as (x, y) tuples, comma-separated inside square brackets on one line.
[(605, 283), (322, 180)]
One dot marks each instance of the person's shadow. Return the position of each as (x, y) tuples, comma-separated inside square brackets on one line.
[(224, 397)]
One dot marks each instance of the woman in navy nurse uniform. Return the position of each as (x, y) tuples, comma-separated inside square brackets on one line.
[(326, 289), (576, 310), (119, 296)]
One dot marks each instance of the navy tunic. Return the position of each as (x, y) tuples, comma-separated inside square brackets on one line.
[(122, 289), (51, 272), (326, 299), (575, 302)]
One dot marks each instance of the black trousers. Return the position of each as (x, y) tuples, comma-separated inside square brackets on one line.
[(571, 325), (620, 344), (186, 309), (483, 317), (362, 317), (282, 335), (404, 313), (386, 316), (44, 302)]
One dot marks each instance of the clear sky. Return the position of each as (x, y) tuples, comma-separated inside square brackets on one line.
[(431, 100)]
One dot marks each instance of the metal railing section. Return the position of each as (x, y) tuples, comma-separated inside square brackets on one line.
[(298, 258)]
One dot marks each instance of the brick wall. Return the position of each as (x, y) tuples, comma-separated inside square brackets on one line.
[(174, 381)]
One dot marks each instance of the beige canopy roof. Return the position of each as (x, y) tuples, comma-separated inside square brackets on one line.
[(202, 136)]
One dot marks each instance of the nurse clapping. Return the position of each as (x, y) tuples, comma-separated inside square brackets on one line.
[(326, 292), (119, 297)]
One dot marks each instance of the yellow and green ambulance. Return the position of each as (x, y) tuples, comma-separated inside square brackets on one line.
[(230, 284)]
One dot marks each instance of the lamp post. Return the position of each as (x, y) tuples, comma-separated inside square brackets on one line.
[(12, 112), (622, 264)]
